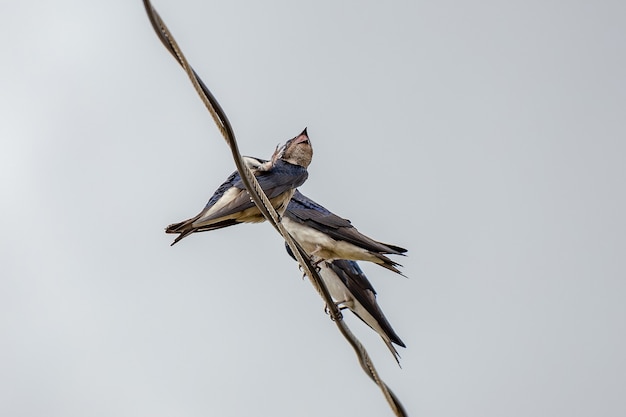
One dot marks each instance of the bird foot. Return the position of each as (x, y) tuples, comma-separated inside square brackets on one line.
[(316, 263), (339, 305)]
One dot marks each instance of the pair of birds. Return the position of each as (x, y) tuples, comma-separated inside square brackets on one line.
[(332, 242)]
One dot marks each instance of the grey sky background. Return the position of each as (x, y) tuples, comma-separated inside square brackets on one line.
[(486, 137)]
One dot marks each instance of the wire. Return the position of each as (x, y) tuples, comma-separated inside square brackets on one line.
[(265, 206)]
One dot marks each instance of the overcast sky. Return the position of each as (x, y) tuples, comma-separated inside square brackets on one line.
[(486, 137)]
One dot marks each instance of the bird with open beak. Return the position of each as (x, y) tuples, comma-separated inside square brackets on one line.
[(231, 203)]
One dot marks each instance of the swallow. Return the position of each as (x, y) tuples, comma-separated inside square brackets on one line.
[(326, 236), (350, 288), (231, 203)]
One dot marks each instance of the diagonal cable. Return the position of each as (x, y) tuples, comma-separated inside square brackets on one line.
[(248, 178), (264, 205)]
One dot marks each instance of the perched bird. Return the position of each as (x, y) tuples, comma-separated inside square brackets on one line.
[(231, 203), (350, 288), (326, 236)]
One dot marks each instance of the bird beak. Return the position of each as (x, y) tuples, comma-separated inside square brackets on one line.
[(302, 137)]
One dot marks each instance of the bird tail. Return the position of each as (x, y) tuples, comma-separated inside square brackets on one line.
[(393, 350), (381, 326), (384, 329), (185, 228), (387, 263)]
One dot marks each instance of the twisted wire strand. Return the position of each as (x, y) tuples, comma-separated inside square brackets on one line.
[(225, 128), (265, 206)]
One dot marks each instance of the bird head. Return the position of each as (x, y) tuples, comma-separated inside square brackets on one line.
[(297, 151)]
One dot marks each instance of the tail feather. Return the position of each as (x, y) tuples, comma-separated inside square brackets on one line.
[(182, 235), (393, 350), (177, 227), (381, 326), (387, 263), (185, 228)]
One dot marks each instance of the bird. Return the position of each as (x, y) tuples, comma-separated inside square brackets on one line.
[(349, 288), (231, 203), (326, 236)]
